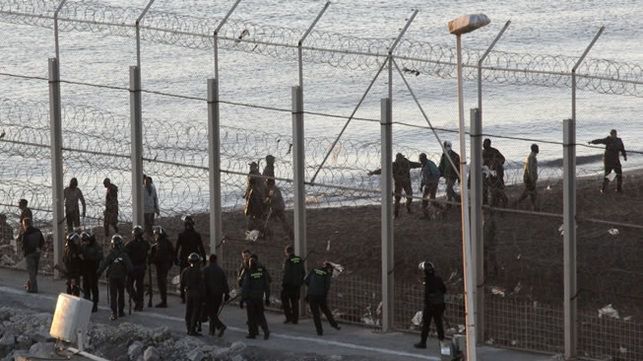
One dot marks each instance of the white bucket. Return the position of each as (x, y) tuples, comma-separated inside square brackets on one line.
[(70, 318)]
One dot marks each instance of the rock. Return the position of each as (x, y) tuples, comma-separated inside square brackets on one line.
[(42, 336), (151, 354), (23, 342), (135, 350), (161, 334), (237, 358), (195, 355), (7, 343), (42, 349)]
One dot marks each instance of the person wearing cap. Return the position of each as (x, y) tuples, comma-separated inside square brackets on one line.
[(111, 207), (73, 195), (402, 181), (530, 176), (150, 205), (613, 146), (434, 291), (449, 163)]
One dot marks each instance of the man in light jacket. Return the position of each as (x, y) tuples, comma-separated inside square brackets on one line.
[(150, 205)]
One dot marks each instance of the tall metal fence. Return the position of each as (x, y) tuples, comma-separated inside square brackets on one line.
[(524, 264)]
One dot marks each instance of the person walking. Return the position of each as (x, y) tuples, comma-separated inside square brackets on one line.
[(138, 250), (32, 242), (73, 261), (188, 242), (530, 176), (495, 182), (434, 306), (92, 257), (193, 287), (72, 196), (162, 256), (118, 266), (402, 181), (318, 282), (111, 207), (429, 183), (216, 293), (150, 205), (449, 163), (254, 286), (613, 146), (291, 282)]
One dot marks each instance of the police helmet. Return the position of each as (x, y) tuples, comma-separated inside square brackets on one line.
[(427, 267), (85, 236), (188, 220), (158, 231), (117, 241), (73, 238), (137, 231), (194, 258)]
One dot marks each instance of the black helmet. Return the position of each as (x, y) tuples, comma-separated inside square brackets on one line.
[(73, 238), (188, 220), (85, 236), (117, 241), (158, 231), (427, 267), (137, 231), (194, 258)]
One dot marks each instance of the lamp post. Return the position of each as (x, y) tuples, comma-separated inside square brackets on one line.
[(457, 27)]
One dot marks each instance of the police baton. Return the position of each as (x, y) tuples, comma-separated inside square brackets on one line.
[(227, 302)]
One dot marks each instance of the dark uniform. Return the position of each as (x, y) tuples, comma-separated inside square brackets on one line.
[(429, 183), (269, 169), (216, 292), (434, 290), (73, 260), (613, 146), (318, 282), (92, 256), (448, 171), (137, 249), (193, 288), (111, 207), (293, 279), (32, 242), (162, 256), (189, 241), (254, 286), (402, 180), (494, 160), (277, 206), (255, 208), (118, 266)]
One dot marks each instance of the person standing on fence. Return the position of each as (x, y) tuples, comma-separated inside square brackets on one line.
[(402, 181), (429, 183), (73, 195), (111, 207), (254, 286), (188, 242), (530, 176), (276, 209), (73, 261), (258, 183), (269, 169), (291, 282), (150, 205), (318, 282), (613, 146), (162, 255), (193, 288), (92, 257), (32, 242), (495, 182), (138, 250), (216, 293), (449, 163), (255, 208), (118, 266), (434, 306)]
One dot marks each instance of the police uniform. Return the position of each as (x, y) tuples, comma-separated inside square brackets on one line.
[(293, 279), (254, 287), (318, 282), (118, 265), (193, 288), (138, 249)]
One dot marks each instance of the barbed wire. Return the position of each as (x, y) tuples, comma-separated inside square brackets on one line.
[(598, 75)]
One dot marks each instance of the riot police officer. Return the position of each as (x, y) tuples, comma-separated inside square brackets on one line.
[(162, 255), (92, 256), (118, 266), (137, 249), (434, 290), (189, 242), (72, 258), (193, 288)]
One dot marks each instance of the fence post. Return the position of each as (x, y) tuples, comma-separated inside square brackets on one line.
[(387, 215), (569, 246), (476, 218), (136, 121), (299, 170), (56, 139), (214, 163)]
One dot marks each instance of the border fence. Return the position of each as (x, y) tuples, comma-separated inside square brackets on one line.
[(522, 286)]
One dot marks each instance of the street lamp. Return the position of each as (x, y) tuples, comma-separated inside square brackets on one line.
[(457, 27)]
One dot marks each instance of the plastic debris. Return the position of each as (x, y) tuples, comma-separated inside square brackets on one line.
[(337, 269), (328, 246), (498, 291), (548, 188), (253, 235), (622, 349), (613, 231), (417, 319), (608, 311), (561, 229), (627, 318), (517, 288)]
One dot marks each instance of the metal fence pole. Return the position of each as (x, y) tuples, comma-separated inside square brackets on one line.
[(215, 38), (56, 139), (388, 259), (300, 50), (214, 162), (136, 121), (299, 170), (476, 217), (60, 6), (138, 33)]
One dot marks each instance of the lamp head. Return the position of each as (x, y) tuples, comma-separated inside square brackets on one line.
[(467, 23)]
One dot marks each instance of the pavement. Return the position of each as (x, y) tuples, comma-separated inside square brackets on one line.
[(351, 341)]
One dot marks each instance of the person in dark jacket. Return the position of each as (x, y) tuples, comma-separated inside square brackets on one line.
[(434, 291), (402, 181), (111, 206), (429, 183), (255, 208), (92, 256), (138, 250), (118, 266), (32, 242), (293, 278), (193, 287), (450, 171), (216, 292), (276, 205), (495, 182), (269, 169), (73, 261), (162, 255), (189, 242), (72, 196), (613, 146), (255, 285), (25, 212), (318, 282)]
